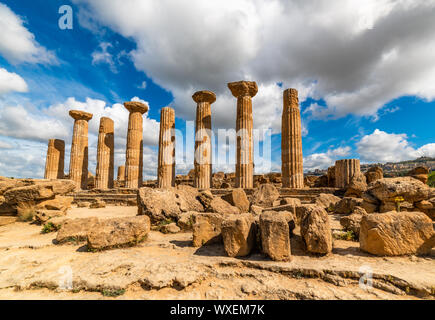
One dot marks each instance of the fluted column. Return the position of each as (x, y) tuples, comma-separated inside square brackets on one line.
[(203, 148), (134, 152), (121, 173), (244, 91), (105, 154), (345, 170), (78, 167), (54, 164), (166, 160), (291, 142)]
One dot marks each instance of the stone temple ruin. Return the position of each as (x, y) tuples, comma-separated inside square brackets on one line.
[(277, 216)]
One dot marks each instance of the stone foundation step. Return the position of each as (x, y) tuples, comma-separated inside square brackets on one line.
[(128, 197)]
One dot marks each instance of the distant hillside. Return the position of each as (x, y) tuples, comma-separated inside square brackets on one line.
[(391, 169), (401, 168)]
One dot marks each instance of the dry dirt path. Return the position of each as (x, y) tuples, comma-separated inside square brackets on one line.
[(167, 267)]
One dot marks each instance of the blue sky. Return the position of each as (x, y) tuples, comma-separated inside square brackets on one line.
[(366, 81)]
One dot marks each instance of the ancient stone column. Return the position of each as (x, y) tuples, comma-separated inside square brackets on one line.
[(166, 160), (345, 170), (291, 142), (105, 155), (244, 91), (134, 152), (78, 167), (54, 164), (203, 148), (121, 173)]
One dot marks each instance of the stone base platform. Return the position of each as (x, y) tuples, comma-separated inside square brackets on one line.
[(120, 196), (128, 197), (306, 195)]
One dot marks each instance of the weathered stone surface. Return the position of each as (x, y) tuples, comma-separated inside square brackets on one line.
[(221, 206), (6, 184), (161, 204), (158, 204), (265, 195), (118, 232), (424, 205), (170, 228), (78, 168), (75, 230), (397, 233), (410, 189), (185, 222), (291, 141), (97, 204), (55, 162), (303, 210), (187, 198), (105, 154), (166, 156), (331, 177), (203, 147), (83, 204), (238, 232), (237, 197), (43, 215), (420, 173), (291, 201), (121, 173), (373, 174), (344, 171), (62, 203), (80, 115), (7, 220), (357, 185), (352, 222), (256, 210), (207, 229), (327, 201), (275, 236), (321, 182), (39, 191), (134, 149), (347, 205), (244, 91), (316, 231), (205, 197), (309, 181)]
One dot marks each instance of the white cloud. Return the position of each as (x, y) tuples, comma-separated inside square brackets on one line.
[(102, 56), (326, 159), (10, 82), (143, 85), (381, 146), (362, 50), (5, 145), (27, 125), (17, 43)]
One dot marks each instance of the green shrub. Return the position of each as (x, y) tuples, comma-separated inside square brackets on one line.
[(112, 292), (348, 236), (50, 227)]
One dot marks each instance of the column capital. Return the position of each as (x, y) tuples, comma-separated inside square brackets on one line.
[(204, 96), (291, 96), (136, 106), (80, 115), (243, 88)]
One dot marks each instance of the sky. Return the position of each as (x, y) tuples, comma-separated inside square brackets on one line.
[(365, 72)]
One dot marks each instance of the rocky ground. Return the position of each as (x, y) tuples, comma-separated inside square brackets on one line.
[(168, 267)]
